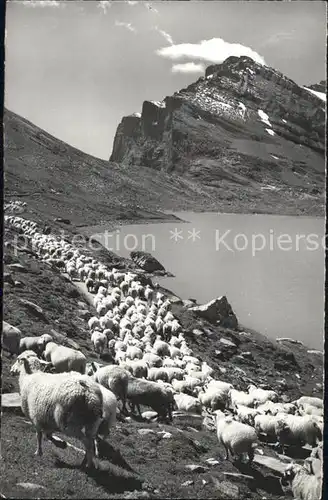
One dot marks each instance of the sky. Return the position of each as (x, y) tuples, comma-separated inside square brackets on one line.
[(75, 68)]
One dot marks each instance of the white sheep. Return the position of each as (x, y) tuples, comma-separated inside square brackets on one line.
[(214, 398), (152, 359), (65, 359), (271, 426), (246, 415), (36, 344), (309, 400), (59, 402), (242, 398), (174, 372), (108, 416), (236, 437), (155, 374), (114, 378), (93, 323), (99, 340), (301, 430), (306, 409), (139, 368), (262, 395), (134, 352), (187, 403), (161, 348), (305, 486)]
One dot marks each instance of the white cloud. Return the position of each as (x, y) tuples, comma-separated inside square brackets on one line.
[(43, 3), (133, 2), (150, 6), (215, 50), (189, 67), (128, 26), (105, 5), (166, 35)]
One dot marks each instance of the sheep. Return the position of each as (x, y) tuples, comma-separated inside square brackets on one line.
[(187, 403), (313, 401), (149, 293), (36, 344), (206, 369), (144, 392), (161, 348), (214, 398), (65, 359), (115, 379), (305, 486), (314, 462), (166, 331), (262, 395), (152, 359), (139, 368), (168, 362), (242, 398), (59, 402), (120, 356), (301, 430), (11, 338), (274, 408), (306, 409), (155, 374), (99, 340), (272, 426), (236, 437), (174, 372), (246, 415), (93, 323), (134, 352), (108, 416)]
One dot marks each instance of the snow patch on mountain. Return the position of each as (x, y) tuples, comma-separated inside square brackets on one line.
[(321, 95)]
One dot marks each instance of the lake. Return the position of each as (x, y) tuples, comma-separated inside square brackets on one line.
[(271, 268)]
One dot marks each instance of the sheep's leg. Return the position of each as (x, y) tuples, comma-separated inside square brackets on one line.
[(139, 411), (250, 455), (38, 451), (227, 452)]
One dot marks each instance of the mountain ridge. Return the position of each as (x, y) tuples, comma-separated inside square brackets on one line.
[(241, 123)]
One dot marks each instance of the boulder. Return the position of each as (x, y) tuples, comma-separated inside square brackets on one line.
[(144, 432), (11, 402), (33, 308), (18, 267), (63, 221), (146, 261), (196, 468), (218, 311)]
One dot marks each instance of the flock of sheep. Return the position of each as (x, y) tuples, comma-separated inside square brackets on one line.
[(153, 367)]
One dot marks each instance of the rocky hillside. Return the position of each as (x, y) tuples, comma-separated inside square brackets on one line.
[(140, 459), (242, 126), (319, 87)]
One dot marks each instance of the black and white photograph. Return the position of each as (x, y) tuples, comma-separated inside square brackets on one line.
[(164, 239)]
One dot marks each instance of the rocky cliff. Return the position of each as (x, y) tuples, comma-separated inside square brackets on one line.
[(241, 124)]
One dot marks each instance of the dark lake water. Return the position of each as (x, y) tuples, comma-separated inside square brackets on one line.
[(271, 268)]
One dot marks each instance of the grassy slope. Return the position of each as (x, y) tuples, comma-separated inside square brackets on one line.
[(158, 462)]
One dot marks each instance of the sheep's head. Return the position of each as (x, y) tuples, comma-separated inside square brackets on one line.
[(290, 472), (30, 364)]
